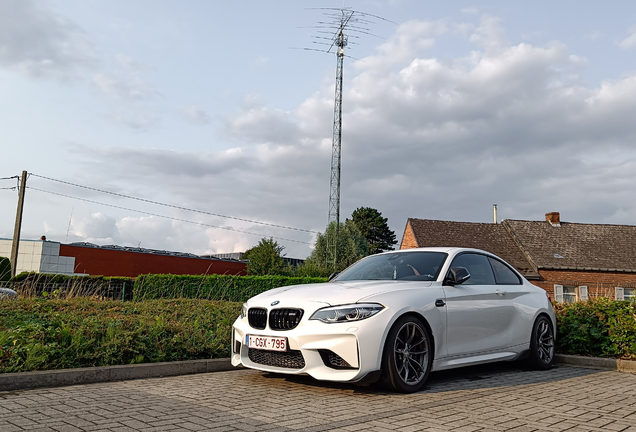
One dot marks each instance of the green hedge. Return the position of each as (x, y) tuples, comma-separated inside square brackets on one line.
[(37, 334), (599, 328), (211, 287)]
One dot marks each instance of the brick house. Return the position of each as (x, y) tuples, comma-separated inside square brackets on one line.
[(571, 261)]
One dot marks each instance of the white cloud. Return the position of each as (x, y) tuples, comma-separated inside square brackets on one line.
[(195, 115), (138, 120), (133, 65), (490, 35), (133, 88), (261, 61), (629, 41), (263, 125), (37, 42), (411, 39), (422, 137)]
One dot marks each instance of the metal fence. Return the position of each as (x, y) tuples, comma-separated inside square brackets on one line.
[(105, 290)]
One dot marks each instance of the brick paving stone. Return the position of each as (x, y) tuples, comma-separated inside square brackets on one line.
[(501, 397)]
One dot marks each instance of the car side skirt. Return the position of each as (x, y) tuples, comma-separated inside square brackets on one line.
[(481, 358)]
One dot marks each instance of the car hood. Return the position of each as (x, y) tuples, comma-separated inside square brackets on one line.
[(331, 293)]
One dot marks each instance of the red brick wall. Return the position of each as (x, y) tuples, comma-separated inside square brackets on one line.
[(109, 262), (600, 284), (408, 240)]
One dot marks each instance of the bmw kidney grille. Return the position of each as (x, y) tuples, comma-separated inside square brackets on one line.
[(284, 319), (257, 317), (279, 319)]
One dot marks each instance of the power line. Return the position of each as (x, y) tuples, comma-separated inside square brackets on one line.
[(162, 216), (174, 206)]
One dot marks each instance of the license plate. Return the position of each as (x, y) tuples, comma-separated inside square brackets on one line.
[(266, 342)]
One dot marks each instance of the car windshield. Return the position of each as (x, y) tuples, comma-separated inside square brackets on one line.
[(414, 266)]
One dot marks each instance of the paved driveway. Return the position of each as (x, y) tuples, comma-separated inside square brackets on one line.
[(501, 397)]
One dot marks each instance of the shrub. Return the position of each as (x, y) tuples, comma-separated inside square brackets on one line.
[(599, 327), (211, 287), (56, 334)]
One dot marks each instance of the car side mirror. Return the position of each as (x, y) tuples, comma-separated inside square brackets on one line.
[(457, 276), (333, 276)]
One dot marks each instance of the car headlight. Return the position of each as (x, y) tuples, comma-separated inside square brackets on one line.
[(346, 313), (243, 311)]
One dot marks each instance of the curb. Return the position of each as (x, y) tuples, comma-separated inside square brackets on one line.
[(596, 363), (66, 377)]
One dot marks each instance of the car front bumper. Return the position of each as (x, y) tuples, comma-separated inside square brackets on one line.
[(334, 352)]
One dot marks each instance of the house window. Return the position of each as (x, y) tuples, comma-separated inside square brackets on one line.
[(570, 293), (625, 294)]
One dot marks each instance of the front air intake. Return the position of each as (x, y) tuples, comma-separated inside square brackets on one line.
[(333, 360), (290, 359)]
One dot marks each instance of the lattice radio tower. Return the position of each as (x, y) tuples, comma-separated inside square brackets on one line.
[(343, 23)]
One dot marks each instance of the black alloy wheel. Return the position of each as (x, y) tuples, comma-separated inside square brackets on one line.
[(407, 356), (542, 343)]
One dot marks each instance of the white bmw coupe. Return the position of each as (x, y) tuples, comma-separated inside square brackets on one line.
[(395, 317)]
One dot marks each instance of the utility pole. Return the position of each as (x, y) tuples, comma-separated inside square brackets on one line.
[(18, 225)]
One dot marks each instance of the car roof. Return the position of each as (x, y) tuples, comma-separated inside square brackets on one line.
[(449, 250)]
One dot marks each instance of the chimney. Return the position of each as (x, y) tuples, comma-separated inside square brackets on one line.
[(494, 213), (554, 218)]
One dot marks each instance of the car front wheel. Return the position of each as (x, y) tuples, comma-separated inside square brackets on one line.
[(407, 356), (542, 343)]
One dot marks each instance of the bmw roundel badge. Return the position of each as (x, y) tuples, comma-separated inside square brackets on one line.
[(275, 303)]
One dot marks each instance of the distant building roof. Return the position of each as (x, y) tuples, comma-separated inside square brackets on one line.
[(493, 238), (533, 245), (143, 250), (576, 245)]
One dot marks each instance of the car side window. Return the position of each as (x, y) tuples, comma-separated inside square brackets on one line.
[(503, 274), (478, 267)]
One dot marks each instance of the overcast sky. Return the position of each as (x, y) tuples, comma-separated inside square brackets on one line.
[(206, 105)]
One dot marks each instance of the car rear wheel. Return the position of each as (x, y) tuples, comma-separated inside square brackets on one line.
[(407, 356), (542, 343)]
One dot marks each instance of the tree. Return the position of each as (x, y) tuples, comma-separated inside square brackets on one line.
[(351, 246), (265, 259), (374, 228), (312, 269)]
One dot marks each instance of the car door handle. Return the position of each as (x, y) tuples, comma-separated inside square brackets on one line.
[(500, 293), (440, 303)]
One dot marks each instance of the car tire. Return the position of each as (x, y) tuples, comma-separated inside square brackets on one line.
[(542, 344), (407, 356)]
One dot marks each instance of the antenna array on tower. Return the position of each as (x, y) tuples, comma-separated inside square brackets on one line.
[(342, 24)]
